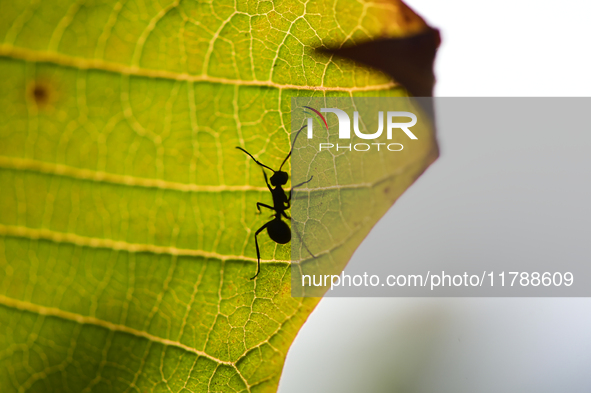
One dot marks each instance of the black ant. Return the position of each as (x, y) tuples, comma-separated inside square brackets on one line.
[(277, 229)]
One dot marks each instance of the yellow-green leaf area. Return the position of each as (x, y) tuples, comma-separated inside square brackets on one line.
[(127, 215)]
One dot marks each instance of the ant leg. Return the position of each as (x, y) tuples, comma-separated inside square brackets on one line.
[(267, 181), (259, 204), (289, 218), (298, 185), (302, 240), (256, 242), (302, 183)]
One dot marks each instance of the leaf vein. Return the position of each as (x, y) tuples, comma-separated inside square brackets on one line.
[(127, 180), (87, 320), (102, 65), (94, 242)]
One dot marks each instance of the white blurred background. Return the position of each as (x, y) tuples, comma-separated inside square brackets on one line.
[(503, 49)]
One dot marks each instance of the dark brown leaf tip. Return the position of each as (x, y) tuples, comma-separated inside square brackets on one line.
[(408, 60)]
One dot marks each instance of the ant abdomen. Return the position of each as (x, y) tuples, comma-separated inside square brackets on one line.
[(279, 231)]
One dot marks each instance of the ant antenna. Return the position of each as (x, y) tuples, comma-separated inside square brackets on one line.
[(294, 141), (255, 160)]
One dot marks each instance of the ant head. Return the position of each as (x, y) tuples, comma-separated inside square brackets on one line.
[(279, 178)]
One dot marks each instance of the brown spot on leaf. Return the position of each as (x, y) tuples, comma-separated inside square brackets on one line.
[(41, 94)]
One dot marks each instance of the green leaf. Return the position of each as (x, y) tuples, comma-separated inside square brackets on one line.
[(126, 214)]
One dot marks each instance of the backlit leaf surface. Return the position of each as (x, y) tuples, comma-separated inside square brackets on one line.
[(127, 215)]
